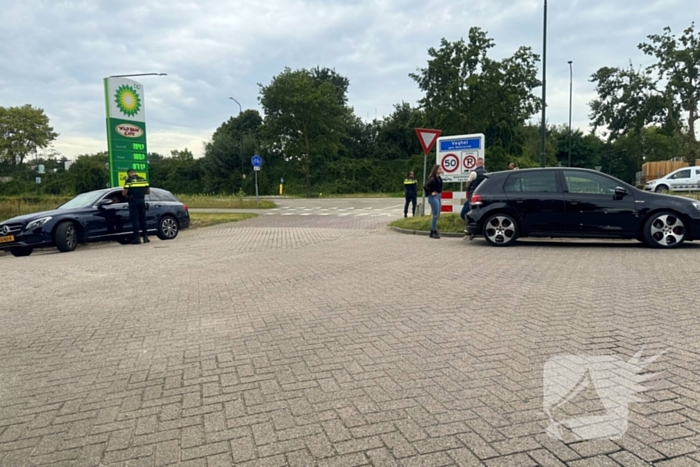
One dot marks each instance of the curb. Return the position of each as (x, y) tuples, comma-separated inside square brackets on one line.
[(426, 233)]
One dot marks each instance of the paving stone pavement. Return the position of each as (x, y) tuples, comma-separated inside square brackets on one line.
[(282, 341)]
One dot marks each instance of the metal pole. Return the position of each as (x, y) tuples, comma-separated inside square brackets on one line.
[(544, 90), (257, 201), (571, 93), (422, 204)]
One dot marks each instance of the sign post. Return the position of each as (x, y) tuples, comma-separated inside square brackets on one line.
[(257, 162), (458, 155), (427, 139), (126, 129)]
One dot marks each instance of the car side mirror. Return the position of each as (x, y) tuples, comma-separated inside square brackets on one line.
[(619, 191), (104, 202)]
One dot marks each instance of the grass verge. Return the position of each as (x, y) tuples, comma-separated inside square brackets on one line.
[(348, 195), (446, 223), (231, 202), (11, 207), (207, 219)]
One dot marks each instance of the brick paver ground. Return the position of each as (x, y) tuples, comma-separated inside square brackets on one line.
[(293, 342)]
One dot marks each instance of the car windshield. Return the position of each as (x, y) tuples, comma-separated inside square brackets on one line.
[(82, 201)]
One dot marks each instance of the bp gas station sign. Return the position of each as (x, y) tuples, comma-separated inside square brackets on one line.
[(126, 129)]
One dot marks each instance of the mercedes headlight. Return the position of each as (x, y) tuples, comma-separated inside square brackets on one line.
[(37, 223), (697, 206)]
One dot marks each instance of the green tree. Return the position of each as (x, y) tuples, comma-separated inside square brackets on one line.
[(227, 155), (468, 92), (665, 94), (89, 172), (306, 117), (23, 130), (586, 149), (396, 136)]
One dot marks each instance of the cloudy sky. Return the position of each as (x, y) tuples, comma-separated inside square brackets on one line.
[(54, 54)]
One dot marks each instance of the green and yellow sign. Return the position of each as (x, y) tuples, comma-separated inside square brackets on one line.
[(126, 129)]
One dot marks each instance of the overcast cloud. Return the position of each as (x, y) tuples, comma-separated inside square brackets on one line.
[(54, 54)]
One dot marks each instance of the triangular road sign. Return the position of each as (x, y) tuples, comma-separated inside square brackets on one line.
[(427, 138)]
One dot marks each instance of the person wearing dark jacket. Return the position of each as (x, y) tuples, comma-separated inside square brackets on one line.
[(475, 179), (433, 190), (410, 184), (135, 190)]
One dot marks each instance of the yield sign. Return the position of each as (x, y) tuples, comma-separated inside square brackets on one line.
[(427, 138)]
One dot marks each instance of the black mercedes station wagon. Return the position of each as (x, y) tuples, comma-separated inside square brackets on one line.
[(578, 203), (100, 215)]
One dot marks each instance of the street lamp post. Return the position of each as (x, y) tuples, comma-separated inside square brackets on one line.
[(544, 89), (571, 90), (240, 109)]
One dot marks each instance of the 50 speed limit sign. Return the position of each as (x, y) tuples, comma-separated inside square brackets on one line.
[(450, 163)]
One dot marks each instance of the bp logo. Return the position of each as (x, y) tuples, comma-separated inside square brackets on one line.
[(128, 100)]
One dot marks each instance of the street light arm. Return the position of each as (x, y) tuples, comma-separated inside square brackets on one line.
[(139, 74), (240, 109)]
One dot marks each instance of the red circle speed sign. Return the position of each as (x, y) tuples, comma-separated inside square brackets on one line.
[(450, 163), (469, 162)]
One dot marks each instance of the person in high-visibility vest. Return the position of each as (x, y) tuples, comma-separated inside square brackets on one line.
[(410, 184), (135, 189)]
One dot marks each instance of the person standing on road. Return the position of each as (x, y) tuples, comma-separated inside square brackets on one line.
[(477, 176), (410, 184), (135, 191), (433, 190)]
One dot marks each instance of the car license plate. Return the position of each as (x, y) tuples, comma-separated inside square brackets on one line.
[(7, 239)]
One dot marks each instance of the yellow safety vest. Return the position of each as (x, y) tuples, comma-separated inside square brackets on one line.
[(137, 184)]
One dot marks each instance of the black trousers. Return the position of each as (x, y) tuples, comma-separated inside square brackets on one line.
[(410, 199), (137, 213)]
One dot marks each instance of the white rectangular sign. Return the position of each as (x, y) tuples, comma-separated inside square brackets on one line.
[(457, 155)]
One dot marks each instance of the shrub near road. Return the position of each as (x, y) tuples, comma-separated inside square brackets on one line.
[(18, 206)]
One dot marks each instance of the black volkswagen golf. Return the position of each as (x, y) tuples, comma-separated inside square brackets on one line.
[(100, 215), (577, 203)]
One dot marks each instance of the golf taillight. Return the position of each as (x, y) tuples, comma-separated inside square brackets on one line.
[(476, 200), (185, 207)]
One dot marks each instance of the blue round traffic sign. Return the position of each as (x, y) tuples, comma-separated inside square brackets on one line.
[(256, 161)]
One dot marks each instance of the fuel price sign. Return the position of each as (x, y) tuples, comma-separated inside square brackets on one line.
[(126, 129)]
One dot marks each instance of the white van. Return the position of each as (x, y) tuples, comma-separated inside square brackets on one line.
[(685, 179)]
